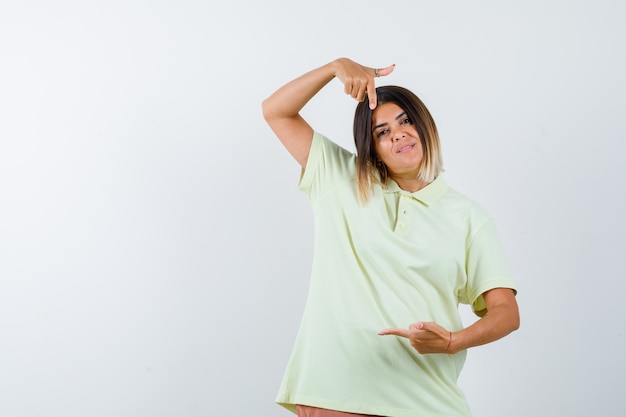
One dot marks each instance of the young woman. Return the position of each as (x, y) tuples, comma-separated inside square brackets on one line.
[(396, 251)]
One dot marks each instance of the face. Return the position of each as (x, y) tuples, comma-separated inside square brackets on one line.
[(396, 141)]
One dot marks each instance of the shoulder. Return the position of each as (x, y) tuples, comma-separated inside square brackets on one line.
[(460, 204), (455, 198), (328, 155), (465, 212), (322, 144), (328, 164)]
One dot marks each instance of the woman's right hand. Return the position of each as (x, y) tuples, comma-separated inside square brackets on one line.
[(358, 80), (282, 109)]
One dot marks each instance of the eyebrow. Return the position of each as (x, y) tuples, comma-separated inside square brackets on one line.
[(383, 124)]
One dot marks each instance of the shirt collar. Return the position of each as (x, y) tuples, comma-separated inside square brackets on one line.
[(428, 195)]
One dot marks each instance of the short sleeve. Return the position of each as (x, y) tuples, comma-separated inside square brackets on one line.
[(328, 165), (487, 266)]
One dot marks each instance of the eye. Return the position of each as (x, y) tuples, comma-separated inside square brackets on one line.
[(382, 133), (405, 121)]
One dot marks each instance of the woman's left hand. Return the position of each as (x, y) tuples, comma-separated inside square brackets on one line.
[(425, 337)]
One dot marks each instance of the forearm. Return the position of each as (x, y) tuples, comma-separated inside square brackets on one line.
[(281, 110), (501, 319), (289, 99)]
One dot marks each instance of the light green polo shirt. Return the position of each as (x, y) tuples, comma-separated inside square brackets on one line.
[(398, 259)]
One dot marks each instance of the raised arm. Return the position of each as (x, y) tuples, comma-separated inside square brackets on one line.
[(282, 109)]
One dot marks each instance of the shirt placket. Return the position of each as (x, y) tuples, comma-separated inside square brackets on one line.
[(403, 222)]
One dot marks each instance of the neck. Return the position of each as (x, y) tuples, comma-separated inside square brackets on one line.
[(410, 184)]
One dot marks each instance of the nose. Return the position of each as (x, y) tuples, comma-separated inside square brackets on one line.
[(398, 135)]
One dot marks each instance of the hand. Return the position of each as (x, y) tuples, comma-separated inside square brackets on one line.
[(425, 337), (358, 79)]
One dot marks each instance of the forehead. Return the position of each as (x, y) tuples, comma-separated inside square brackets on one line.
[(386, 113)]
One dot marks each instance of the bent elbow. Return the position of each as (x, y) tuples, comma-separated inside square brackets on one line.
[(515, 321), (264, 110), (267, 109)]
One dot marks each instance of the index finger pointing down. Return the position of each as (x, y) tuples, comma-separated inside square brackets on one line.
[(371, 86)]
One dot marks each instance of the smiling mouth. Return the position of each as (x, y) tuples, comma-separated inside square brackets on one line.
[(405, 148)]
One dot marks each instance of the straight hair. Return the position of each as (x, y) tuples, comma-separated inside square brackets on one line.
[(370, 169)]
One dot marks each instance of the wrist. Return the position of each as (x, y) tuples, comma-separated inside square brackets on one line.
[(455, 343), (334, 66)]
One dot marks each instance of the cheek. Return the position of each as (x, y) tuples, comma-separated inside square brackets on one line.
[(381, 147), (378, 149)]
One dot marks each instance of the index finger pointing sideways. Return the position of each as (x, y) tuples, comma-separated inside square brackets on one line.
[(394, 332)]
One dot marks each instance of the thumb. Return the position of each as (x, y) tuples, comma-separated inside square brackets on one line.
[(418, 326), (383, 72)]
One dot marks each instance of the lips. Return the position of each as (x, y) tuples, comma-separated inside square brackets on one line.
[(405, 148)]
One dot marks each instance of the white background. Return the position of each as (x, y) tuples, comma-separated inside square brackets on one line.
[(154, 250)]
